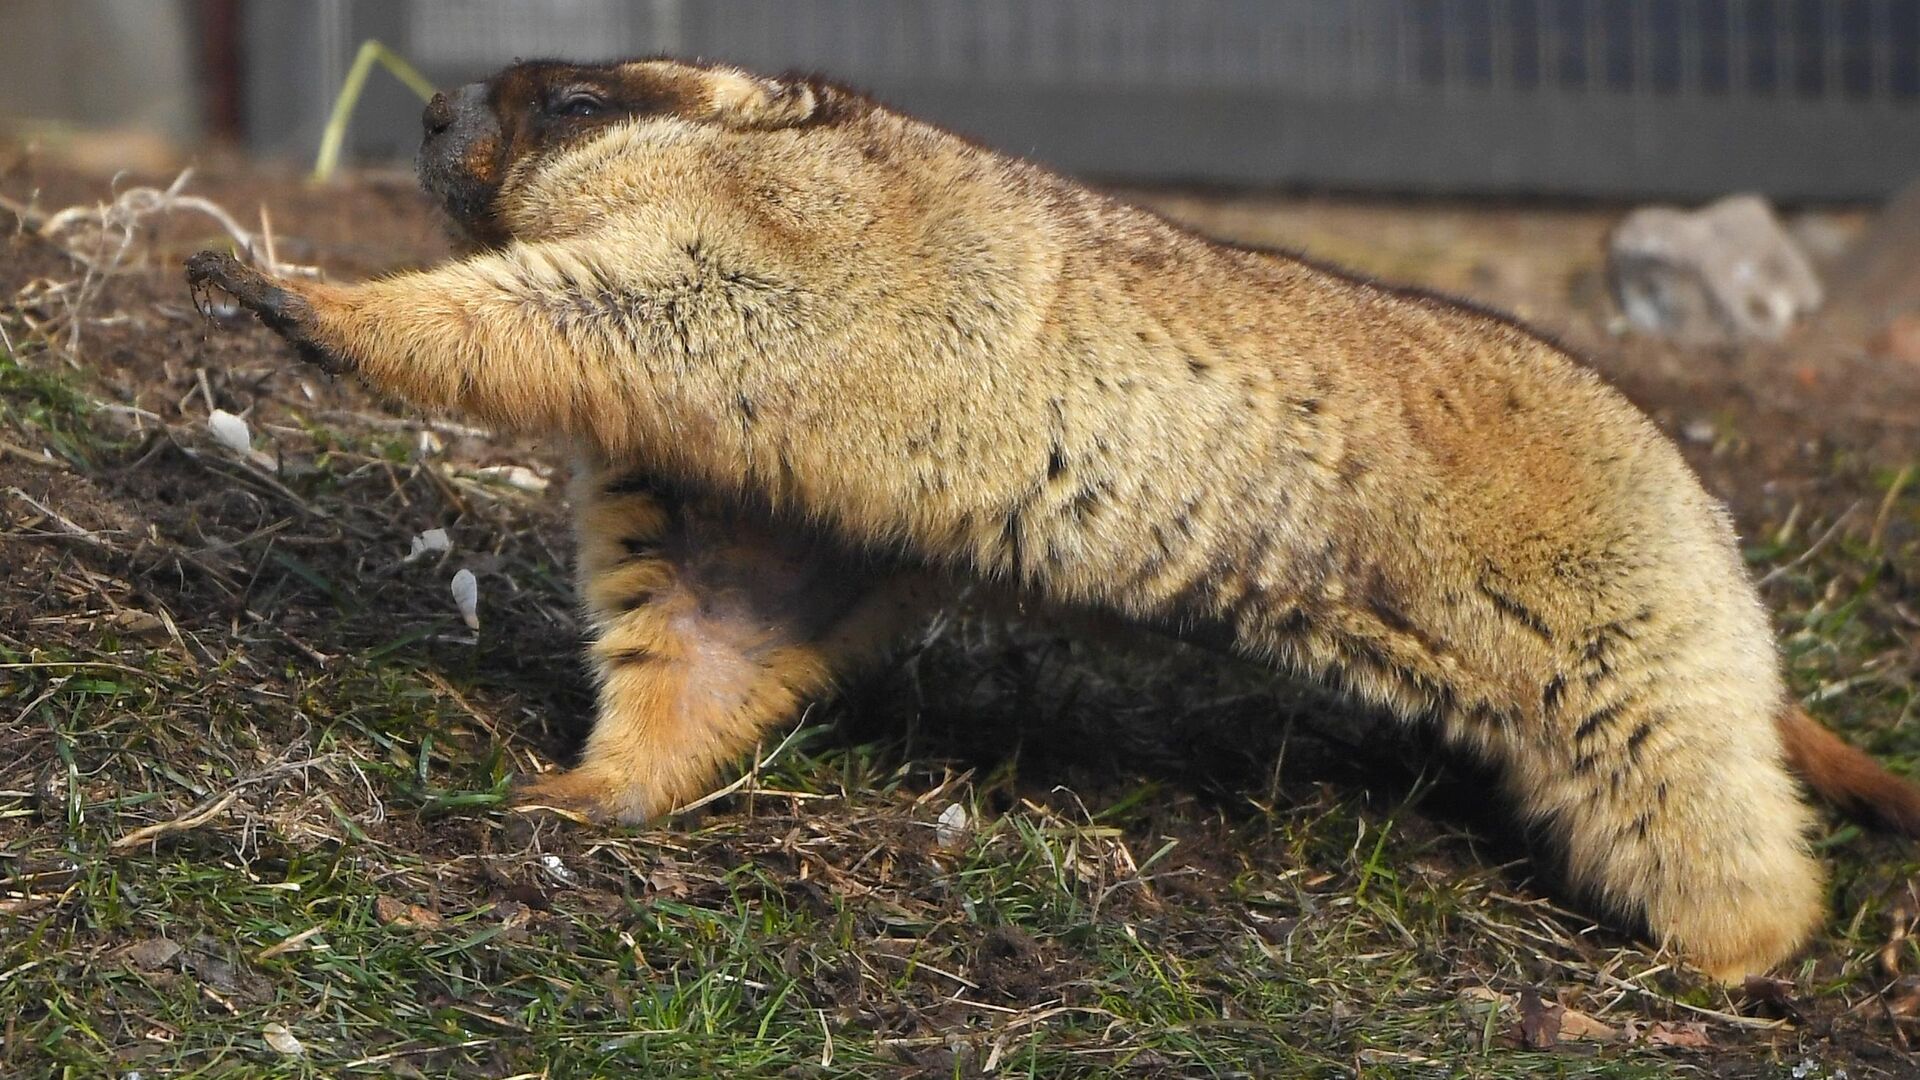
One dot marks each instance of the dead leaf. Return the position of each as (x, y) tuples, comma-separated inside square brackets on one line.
[(394, 912), (512, 913), (150, 954), (1579, 1027), (668, 881), (1574, 1026), (1686, 1035), (1478, 998), (1539, 1022), (138, 624), (282, 1040)]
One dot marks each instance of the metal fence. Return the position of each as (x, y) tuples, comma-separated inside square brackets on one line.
[(1796, 98)]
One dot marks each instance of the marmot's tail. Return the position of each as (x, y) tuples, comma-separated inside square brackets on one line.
[(1846, 776)]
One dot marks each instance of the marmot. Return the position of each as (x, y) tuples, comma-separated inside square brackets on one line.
[(821, 359)]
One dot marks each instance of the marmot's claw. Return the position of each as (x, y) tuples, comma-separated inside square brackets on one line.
[(218, 270), (285, 311)]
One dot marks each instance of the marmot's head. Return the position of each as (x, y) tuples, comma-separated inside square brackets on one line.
[(483, 137)]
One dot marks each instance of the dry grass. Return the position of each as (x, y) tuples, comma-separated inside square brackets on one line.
[(252, 769)]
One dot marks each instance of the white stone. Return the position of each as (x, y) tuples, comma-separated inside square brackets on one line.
[(1725, 273)]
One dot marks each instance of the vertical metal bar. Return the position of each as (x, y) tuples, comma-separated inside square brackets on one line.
[(1359, 42), (1639, 51), (1690, 78), (667, 26), (1784, 68), (1737, 58), (1546, 37), (1832, 83), (1882, 50), (1500, 46), (333, 48), (1596, 47), (1404, 77)]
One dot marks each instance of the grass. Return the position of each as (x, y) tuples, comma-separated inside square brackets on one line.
[(253, 822)]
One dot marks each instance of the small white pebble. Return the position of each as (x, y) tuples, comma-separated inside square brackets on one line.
[(466, 597), (230, 431), (430, 542), (283, 1041), (952, 830), (557, 870), (429, 445), (1699, 431)]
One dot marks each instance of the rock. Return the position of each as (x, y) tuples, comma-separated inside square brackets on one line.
[(1725, 273), (1822, 237)]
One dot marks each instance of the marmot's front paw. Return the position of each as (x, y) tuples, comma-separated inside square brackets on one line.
[(282, 308)]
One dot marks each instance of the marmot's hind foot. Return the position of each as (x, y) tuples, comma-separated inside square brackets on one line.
[(584, 793)]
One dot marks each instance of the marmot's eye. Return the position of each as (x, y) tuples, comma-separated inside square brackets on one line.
[(580, 103)]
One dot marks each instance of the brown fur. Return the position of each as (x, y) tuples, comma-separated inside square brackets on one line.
[(800, 308), (1847, 777)]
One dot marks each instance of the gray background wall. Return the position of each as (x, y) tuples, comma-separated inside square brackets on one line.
[(99, 63), (1620, 98)]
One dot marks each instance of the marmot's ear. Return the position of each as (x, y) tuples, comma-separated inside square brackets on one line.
[(748, 102)]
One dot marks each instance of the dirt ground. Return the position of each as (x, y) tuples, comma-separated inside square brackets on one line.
[(253, 766)]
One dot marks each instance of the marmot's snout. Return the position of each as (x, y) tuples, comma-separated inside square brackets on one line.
[(460, 118), (438, 116), (460, 154)]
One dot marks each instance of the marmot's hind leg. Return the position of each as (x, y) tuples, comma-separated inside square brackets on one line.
[(707, 633), (1692, 825)]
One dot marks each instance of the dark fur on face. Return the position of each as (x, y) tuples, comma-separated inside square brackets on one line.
[(537, 108)]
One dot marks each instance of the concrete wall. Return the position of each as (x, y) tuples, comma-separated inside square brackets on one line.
[(98, 64), (1634, 99)]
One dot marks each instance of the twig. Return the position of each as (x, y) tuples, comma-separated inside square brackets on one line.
[(32, 458), (53, 687), (1832, 530), (391, 423), (66, 525), (447, 688), (247, 472), (395, 1055), (199, 816), (1734, 1019), (210, 809), (751, 774), (125, 213)]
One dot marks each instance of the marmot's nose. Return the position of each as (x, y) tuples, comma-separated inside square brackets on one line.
[(438, 116)]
